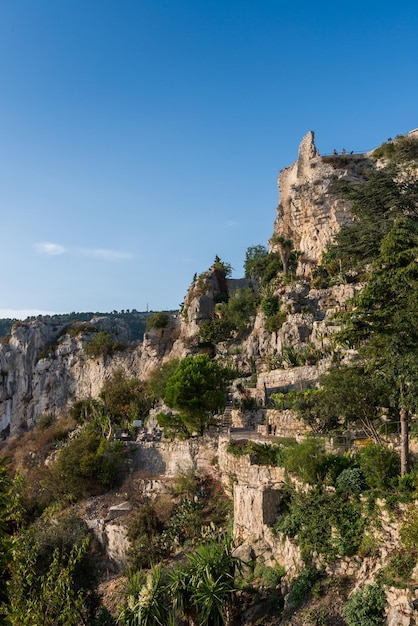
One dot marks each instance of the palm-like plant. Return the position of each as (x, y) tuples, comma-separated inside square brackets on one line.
[(181, 581), (147, 603), (285, 247), (203, 590), (213, 598)]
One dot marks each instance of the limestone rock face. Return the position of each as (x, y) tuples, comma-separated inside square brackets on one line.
[(310, 212), (44, 369), (157, 346), (308, 322)]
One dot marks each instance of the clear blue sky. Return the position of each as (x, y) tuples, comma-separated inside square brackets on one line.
[(140, 138)]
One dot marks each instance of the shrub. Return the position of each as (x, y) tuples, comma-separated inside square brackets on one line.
[(379, 465), (351, 480), (322, 522), (307, 459), (172, 424), (398, 570), (319, 616), (338, 161), (83, 410), (260, 453), (63, 533), (334, 466), (233, 315), (215, 331), (407, 486), (248, 404), (103, 344), (401, 150), (157, 320), (46, 421), (88, 465), (185, 521), (365, 607), (275, 322), (78, 328), (270, 305), (270, 577), (144, 533), (302, 585), (369, 546), (242, 304), (56, 597), (124, 397), (409, 529)]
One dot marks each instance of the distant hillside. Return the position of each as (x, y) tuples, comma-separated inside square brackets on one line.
[(136, 320)]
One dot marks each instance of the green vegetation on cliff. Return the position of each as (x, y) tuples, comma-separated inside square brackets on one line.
[(331, 506)]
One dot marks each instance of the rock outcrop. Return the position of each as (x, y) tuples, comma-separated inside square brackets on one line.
[(310, 211), (43, 369)]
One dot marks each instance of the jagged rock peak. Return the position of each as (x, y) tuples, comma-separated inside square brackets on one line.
[(310, 211), (307, 151)]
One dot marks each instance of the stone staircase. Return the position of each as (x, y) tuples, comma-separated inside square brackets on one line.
[(226, 420)]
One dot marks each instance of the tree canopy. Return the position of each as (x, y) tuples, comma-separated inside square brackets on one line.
[(384, 321), (386, 195), (261, 264), (197, 390)]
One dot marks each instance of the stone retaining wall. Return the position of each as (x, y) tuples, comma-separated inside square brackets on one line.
[(294, 378), (168, 459)]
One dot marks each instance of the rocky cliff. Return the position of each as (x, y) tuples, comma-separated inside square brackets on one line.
[(44, 368), (310, 211)]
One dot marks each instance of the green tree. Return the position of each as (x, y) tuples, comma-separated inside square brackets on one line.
[(255, 261), (173, 424), (158, 378), (384, 323), (197, 390), (223, 268), (103, 344), (157, 320), (125, 398), (347, 394), (376, 204), (261, 264)]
